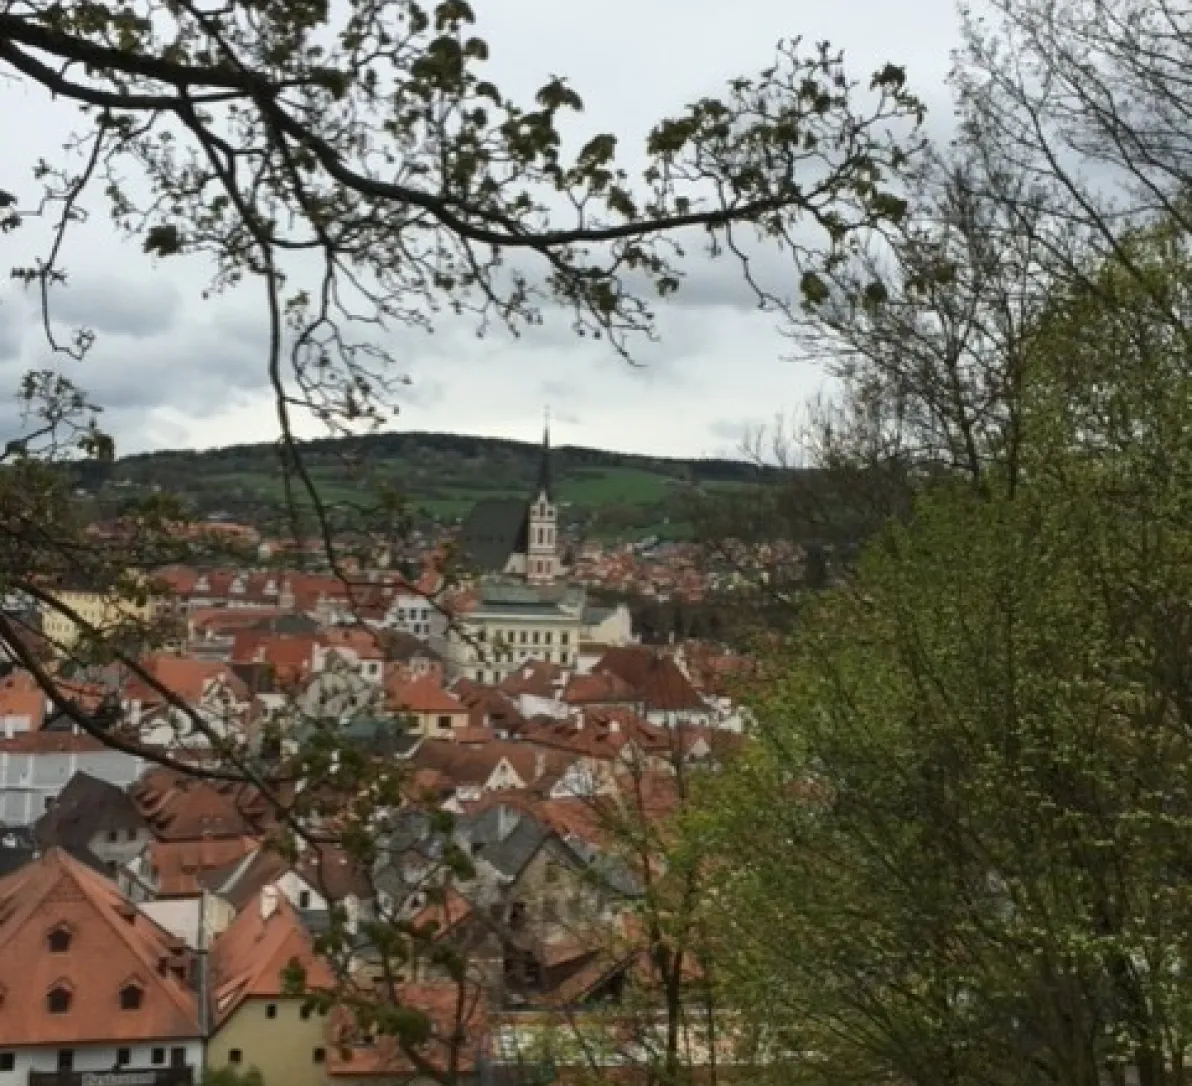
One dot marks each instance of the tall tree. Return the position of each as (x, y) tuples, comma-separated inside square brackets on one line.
[(969, 861)]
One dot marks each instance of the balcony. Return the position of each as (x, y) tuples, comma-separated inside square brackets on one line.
[(123, 1076)]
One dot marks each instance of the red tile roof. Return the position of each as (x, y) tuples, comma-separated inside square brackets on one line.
[(601, 688), (111, 946), (654, 676), (189, 679), (249, 959), (364, 644), (423, 696), (179, 865), (21, 696), (182, 808), (534, 677), (457, 1016)]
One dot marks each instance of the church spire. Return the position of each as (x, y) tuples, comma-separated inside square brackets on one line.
[(544, 477)]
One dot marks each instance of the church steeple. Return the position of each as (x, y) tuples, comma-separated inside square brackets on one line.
[(542, 560), (544, 477)]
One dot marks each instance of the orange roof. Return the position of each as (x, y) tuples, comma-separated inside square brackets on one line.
[(290, 656), (231, 618), (110, 946), (440, 917), (451, 1010), (422, 696), (249, 959), (179, 863), (188, 679), (601, 687), (534, 677), (182, 808), (21, 696), (654, 676), (365, 644)]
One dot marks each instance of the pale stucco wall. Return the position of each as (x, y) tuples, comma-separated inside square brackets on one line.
[(281, 1048)]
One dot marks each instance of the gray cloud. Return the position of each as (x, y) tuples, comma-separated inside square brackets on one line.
[(136, 308), (12, 328), (174, 370)]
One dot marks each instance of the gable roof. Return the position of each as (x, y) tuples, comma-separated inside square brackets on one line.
[(250, 958), (112, 944), (535, 677), (187, 678), (494, 529), (475, 763), (179, 865), (182, 808), (241, 880), (654, 676), (424, 696), (599, 688), (85, 807)]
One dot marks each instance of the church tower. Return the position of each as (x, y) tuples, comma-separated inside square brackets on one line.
[(542, 560)]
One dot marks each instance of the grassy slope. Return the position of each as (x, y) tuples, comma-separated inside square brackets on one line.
[(443, 475)]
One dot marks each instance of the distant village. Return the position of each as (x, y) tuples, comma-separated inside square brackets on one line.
[(147, 916)]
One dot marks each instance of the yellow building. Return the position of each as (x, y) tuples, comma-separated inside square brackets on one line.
[(256, 1023), (104, 611)]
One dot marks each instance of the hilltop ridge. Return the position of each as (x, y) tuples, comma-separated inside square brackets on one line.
[(440, 476)]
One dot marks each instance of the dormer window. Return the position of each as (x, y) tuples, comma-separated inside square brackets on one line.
[(58, 941), (131, 996), (58, 999)]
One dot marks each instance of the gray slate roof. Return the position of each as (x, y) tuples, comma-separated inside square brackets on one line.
[(85, 807), (512, 854), (492, 531)]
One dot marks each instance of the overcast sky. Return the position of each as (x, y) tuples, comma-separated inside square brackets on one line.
[(173, 370)]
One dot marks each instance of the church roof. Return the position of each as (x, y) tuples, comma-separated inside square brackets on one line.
[(492, 531)]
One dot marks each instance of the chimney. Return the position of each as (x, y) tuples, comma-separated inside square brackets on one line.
[(127, 912), (269, 901)]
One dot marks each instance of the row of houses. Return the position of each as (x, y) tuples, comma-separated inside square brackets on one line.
[(155, 925)]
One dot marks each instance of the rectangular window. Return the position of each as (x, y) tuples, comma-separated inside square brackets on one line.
[(123, 1057), (304, 899), (444, 723), (158, 1056), (537, 637), (564, 639), (235, 1055), (548, 637), (177, 1057), (66, 1059), (271, 1010), (8, 1061), (319, 1055)]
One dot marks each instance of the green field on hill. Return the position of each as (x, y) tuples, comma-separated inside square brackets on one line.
[(439, 477)]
